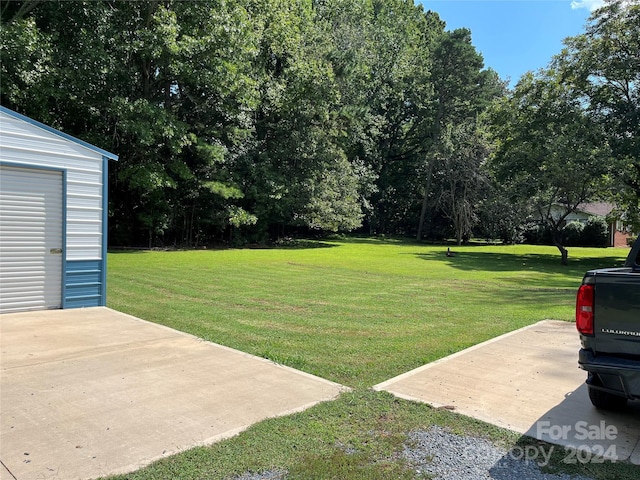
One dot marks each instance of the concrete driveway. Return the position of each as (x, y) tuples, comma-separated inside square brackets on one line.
[(527, 381), (92, 392)]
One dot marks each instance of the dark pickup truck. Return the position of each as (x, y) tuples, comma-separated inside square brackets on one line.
[(608, 319)]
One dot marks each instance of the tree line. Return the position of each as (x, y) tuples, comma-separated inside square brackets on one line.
[(249, 120)]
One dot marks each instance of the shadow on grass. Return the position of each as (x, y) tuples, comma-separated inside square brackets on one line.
[(127, 250), (375, 240), (505, 262), (288, 244), (296, 244)]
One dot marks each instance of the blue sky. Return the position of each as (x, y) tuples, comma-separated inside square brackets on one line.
[(515, 36)]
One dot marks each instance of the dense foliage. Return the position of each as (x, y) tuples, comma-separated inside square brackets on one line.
[(248, 120)]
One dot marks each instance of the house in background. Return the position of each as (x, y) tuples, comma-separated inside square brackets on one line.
[(53, 217), (618, 234)]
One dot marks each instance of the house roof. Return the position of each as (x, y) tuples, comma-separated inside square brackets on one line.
[(597, 208), (66, 136)]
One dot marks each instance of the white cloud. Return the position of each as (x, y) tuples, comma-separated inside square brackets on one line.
[(590, 4)]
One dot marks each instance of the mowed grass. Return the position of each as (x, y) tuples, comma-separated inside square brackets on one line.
[(356, 311)]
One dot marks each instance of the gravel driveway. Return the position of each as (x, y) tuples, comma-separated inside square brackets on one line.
[(445, 456), (440, 455)]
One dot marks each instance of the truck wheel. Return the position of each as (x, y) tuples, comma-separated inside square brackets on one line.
[(606, 400)]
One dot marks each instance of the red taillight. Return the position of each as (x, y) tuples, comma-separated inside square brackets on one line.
[(584, 309)]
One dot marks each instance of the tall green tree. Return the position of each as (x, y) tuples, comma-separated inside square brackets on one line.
[(462, 153), (382, 57), (549, 150), (603, 67), (294, 171), (463, 89)]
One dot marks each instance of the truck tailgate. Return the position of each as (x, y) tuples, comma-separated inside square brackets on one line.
[(616, 317)]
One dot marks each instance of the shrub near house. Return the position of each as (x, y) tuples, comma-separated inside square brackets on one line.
[(593, 233)]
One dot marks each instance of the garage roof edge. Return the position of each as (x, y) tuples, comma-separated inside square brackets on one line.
[(66, 136)]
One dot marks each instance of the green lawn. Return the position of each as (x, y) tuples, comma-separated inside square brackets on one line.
[(357, 311), (354, 311)]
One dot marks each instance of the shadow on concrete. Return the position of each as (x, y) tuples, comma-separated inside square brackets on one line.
[(592, 433), (585, 434)]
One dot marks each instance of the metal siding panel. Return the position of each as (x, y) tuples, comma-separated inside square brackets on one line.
[(31, 225), (84, 202), (83, 188), (85, 228), (84, 233), (87, 178), (84, 285), (35, 152), (83, 303), (82, 215), (81, 251)]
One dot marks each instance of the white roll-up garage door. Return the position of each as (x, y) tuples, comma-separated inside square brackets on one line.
[(30, 239)]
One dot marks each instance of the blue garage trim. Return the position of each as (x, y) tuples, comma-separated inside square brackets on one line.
[(64, 238), (84, 286), (105, 217)]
